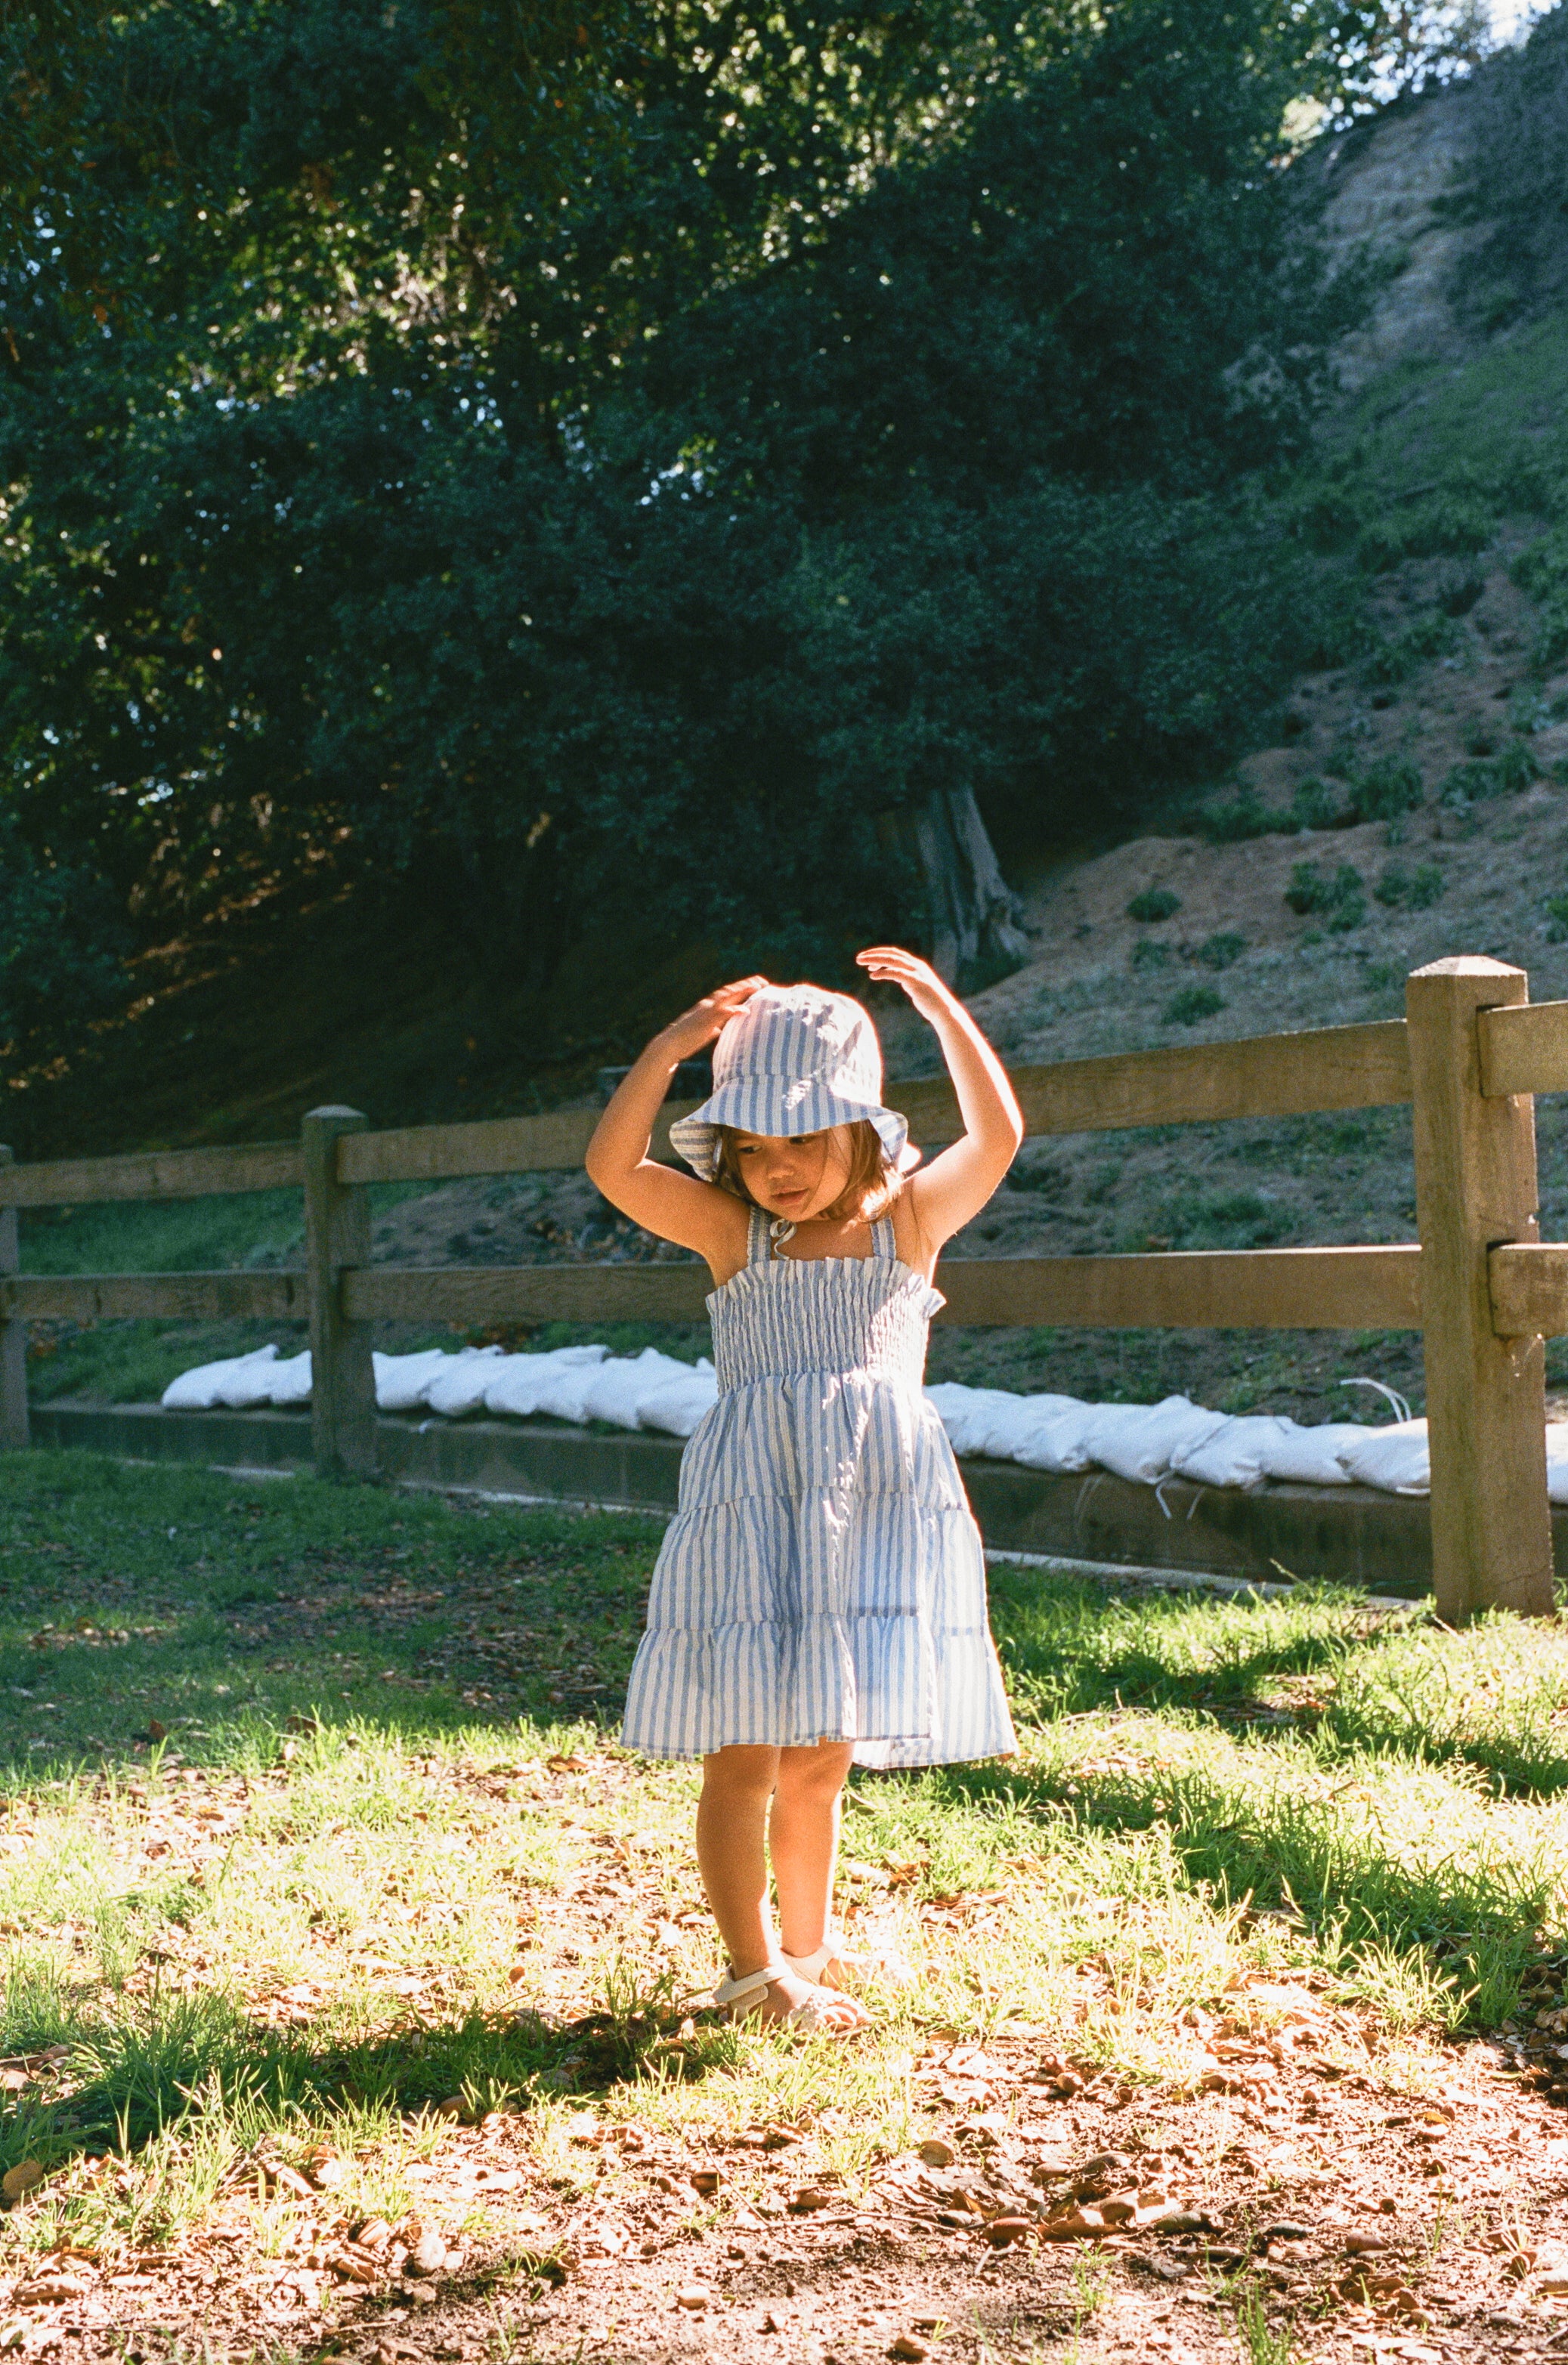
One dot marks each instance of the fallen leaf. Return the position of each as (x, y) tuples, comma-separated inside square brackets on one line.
[(706, 2180), (427, 2251), (47, 2291), (1002, 2231), (908, 2345)]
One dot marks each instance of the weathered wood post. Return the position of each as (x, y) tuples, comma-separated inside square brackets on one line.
[(1475, 1188), (15, 1434), (337, 1234)]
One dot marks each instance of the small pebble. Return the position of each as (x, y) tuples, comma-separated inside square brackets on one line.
[(938, 2154), (693, 2297), (908, 2345)]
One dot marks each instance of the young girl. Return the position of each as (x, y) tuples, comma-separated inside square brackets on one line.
[(820, 1598)]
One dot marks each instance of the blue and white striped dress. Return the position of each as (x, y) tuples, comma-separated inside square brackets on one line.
[(822, 1579)]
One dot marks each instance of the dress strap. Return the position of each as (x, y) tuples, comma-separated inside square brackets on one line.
[(758, 1248), (884, 1245)]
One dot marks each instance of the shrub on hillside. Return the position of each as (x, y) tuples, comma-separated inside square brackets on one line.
[(1149, 953), (1192, 1005), (1385, 789), (1151, 904), (1541, 570), (1447, 526), (1340, 902), (1496, 776), (1315, 805), (1245, 816), (1392, 661), (1221, 949), (1417, 890)]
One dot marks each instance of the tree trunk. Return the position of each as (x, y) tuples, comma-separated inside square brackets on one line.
[(968, 921)]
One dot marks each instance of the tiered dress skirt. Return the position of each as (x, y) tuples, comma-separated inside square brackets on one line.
[(824, 1577)]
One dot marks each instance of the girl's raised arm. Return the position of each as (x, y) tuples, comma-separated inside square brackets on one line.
[(677, 1206), (954, 1186)]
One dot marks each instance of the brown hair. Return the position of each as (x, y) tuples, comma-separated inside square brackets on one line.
[(871, 1185)]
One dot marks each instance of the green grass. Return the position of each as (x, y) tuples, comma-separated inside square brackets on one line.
[(311, 1817)]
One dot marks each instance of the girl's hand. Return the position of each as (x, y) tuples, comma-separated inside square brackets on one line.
[(891, 966), (698, 1026)]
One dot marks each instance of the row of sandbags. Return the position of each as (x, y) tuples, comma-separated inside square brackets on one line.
[(1175, 1439), (576, 1383)]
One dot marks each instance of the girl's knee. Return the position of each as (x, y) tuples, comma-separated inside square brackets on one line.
[(740, 1773), (819, 1771)]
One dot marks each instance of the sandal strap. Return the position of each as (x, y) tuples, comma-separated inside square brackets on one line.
[(812, 1967), (752, 1983)]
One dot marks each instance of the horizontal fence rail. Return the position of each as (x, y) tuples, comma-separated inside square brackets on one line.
[(139, 1296), (153, 1174), (1468, 1057), (1524, 1048)]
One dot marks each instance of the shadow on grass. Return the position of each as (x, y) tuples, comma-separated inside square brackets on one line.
[(177, 2059)]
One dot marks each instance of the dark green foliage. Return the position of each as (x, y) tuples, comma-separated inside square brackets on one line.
[(1191, 1005), (1149, 953), (1557, 913), (1449, 525), (1153, 903), (1416, 890), (1219, 951), (1519, 173), (1340, 900), (62, 942), (1497, 776), (1387, 787), (1392, 661), (1458, 587), (713, 496), (1315, 805), (1245, 816), (1542, 571)]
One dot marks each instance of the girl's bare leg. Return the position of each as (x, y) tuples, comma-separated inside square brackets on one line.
[(804, 1836), (731, 1822)]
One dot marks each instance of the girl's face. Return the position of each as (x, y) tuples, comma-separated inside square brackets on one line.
[(792, 1178)]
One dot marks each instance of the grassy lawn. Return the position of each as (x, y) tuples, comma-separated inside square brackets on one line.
[(351, 1967)]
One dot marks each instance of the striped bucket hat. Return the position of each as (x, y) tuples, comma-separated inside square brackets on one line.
[(795, 1060)]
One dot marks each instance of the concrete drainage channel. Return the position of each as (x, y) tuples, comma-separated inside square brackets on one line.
[(1091, 1521)]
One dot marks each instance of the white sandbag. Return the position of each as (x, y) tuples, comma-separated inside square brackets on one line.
[(199, 1389), (461, 1388), (401, 1380), (677, 1407), (1231, 1455), (1310, 1457), (1139, 1441), (1396, 1460), (1557, 1460), (1044, 1432), (246, 1381), (288, 1380), (520, 1383), (966, 1413), (616, 1389)]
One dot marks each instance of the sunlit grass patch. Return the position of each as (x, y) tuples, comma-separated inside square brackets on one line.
[(374, 1878)]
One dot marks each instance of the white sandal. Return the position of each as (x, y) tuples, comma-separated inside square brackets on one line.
[(872, 1969), (817, 2016)]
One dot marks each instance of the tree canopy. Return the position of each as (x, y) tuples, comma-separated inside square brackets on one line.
[(597, 460)]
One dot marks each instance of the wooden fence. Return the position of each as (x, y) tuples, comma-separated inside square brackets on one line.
[(1467, 1057)]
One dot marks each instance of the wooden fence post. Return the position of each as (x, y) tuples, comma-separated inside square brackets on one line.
[(1475, 1188), (337, 1234), (14, 1434)]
